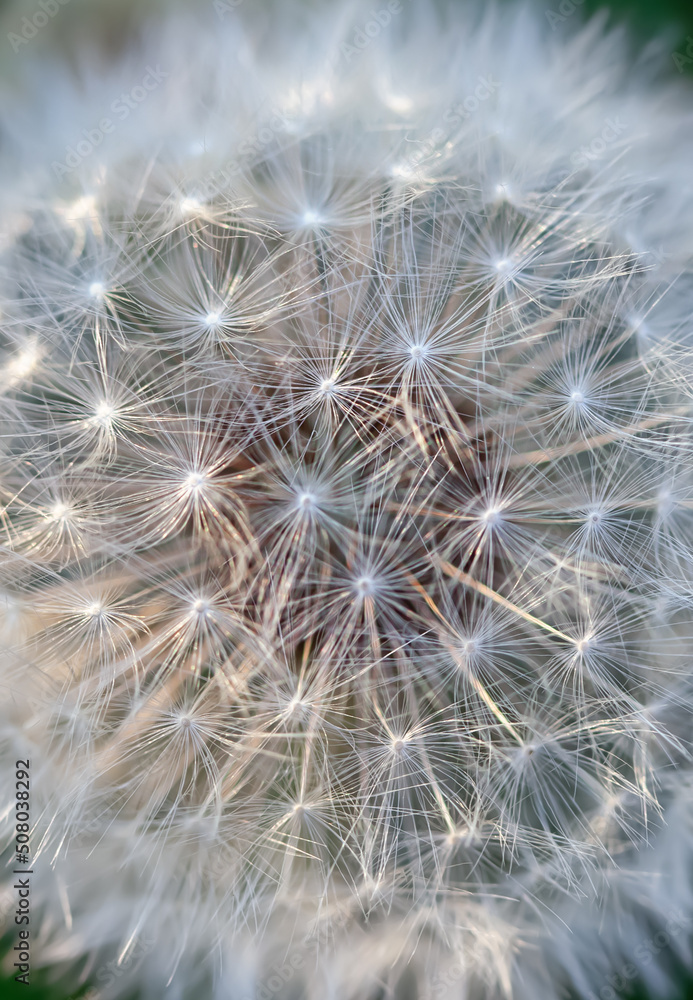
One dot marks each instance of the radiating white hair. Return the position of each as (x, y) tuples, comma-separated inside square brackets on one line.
[(347, 507)]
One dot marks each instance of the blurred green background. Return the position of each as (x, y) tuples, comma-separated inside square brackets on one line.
[(110, 22)]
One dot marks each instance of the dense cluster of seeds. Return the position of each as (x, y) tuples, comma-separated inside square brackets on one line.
[(347, 536)]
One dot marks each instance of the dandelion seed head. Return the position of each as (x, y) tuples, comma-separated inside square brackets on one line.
[(104, 414), (402, 171), (398, 102), (60, 512), (418, 352), (492, 516), (586, 643), (195, 482), (311, 218), (366, 586), (297, 706), (21, 366), (347, 551), (190, 206), (307, 503), (328, 387), (81, 209)]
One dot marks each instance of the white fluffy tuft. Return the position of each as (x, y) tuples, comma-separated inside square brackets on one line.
[(347, 539)]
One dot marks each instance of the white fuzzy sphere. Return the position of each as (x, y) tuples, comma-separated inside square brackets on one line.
[(346, 475)]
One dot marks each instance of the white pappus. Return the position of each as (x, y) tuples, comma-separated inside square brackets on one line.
[(346, 475)]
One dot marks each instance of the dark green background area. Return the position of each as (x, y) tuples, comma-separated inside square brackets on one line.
[(672, 19), (649, 15)]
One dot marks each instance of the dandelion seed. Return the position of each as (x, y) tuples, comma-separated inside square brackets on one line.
[(195, 481), (104, 414), (311, 218), (347, 515), (22, 365), (492, 517), (190, 206), (365, 586), (59, 512)]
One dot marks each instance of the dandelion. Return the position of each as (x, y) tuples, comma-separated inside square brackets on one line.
[(346, 569)]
